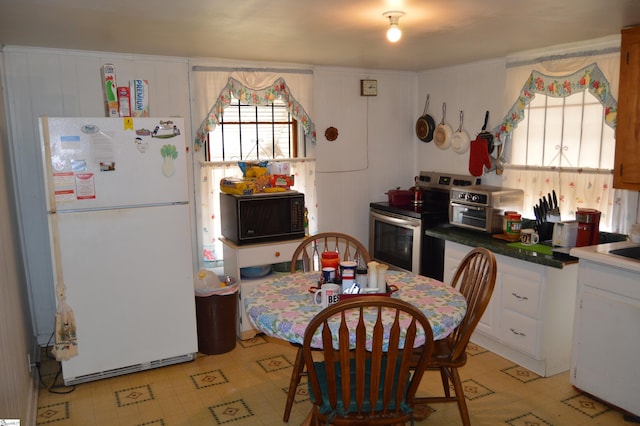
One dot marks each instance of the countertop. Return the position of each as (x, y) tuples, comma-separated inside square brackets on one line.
[(480, 239), (600, 254)]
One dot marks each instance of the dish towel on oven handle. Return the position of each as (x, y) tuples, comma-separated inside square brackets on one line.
[(479, 157)]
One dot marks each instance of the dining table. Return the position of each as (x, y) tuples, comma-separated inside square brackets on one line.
[(282, 306)]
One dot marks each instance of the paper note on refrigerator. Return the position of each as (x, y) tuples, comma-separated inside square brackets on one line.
[(103, 152)]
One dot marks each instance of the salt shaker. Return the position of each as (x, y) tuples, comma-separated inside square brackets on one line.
[(382, 278)]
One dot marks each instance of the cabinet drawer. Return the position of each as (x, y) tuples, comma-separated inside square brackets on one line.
[(521, 295), (520, 332), (266, 254)]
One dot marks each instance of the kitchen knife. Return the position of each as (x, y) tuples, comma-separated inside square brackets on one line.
[(556, 208), (545, 209), (536, 212)]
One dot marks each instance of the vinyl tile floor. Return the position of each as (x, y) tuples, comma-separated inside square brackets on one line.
[(248, 386)]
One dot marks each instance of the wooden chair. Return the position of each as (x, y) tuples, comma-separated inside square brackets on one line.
[(311, 248), (309, 252), (475, 278), (356, 383)]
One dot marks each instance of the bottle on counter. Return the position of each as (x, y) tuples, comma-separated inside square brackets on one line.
[(306, 222)]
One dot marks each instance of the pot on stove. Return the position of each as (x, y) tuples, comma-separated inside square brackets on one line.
[(399, 197)]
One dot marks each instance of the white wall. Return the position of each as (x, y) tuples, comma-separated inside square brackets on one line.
[(375, 149), (473, 88), (18, 388), (63, 83)]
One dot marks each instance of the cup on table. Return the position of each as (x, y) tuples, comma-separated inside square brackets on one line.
[(348, 273), (330, 259), (529, 237), (327, 295), (328, 274)]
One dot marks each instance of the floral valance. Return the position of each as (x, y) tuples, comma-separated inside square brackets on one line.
[(277, 90), (588, 78)]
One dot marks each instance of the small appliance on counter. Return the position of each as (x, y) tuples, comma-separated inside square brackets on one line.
[(588, 227), (482, 207), (565, 233)]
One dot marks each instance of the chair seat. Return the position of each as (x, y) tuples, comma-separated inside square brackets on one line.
[(442, 355), (326, 409)]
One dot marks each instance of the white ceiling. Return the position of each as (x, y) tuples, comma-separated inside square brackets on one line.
[(349, 33)]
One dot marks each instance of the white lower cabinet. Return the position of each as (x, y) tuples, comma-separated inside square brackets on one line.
[(244, 256), (530, 317), (606, 342)]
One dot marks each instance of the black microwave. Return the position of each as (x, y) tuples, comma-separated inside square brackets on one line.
[(262, 217)]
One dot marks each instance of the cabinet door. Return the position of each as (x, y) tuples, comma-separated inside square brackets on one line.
[(627, 157), (605, 355)]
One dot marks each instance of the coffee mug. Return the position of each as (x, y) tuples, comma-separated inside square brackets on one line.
[(529, 237), (329, 294), (348, 274)]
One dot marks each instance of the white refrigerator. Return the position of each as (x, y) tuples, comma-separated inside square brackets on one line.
[(120, 233)]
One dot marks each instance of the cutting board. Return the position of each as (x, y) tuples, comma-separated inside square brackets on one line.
[(538, 248)]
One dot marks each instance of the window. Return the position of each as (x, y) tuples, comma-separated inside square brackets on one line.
[(253, 133), (562, 139), (565, 132)]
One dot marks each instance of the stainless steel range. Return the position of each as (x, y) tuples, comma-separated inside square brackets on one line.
[(397, 232)]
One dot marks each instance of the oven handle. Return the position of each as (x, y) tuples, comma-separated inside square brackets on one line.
[(469, 207), (401, 221)]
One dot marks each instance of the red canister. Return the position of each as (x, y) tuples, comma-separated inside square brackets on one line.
[(330, 259)]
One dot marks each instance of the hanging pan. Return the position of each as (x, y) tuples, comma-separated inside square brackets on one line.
[(487, 135), (425, 125), (460, 139), (442, 134)]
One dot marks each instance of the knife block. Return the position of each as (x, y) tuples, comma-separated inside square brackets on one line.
[(545, 231)]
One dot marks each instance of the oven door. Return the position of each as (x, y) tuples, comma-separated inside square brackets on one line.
[(468, 216), (395, 240)]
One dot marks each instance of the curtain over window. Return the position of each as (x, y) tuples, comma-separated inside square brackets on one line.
[(564, 140), (213, 88)]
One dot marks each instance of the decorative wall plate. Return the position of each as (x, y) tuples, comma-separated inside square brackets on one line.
[(331, 133)]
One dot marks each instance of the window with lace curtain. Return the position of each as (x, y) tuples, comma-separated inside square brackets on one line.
[(253, 116), (561, 135)]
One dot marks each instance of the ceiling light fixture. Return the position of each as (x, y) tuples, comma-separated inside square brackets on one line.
[(393, 33)]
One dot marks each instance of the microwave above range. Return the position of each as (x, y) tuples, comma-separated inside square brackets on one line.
[(263, 217), (482, 207)]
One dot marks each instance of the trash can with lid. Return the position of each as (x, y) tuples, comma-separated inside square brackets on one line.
[(216, 312)]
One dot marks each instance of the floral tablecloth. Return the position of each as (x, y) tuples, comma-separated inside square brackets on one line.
[(283, 306)]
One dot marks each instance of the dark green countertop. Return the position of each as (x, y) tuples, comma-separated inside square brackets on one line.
[(479, 239)]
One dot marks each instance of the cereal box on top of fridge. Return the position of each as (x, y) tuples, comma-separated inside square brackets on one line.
[(139, 92), (110, 87)]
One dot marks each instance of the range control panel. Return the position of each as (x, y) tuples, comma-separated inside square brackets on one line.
[(444, 181)]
